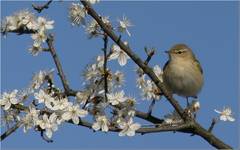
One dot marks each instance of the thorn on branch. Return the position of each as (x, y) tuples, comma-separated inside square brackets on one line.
[(39, 8), (150, 109), (214, 121)]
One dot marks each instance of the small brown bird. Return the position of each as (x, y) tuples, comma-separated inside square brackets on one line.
[(182, 74)]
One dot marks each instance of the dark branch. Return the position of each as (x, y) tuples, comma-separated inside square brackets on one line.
[(150, 54), (214, 121), (105, 39), (65, 83), (39, 8), (195, 127), (150, 109), (10, 131)]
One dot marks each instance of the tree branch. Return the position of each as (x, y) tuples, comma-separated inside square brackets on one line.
[(195, 127), (10, 131), (65, 83)]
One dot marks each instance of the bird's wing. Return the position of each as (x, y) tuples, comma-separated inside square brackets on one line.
[(198, 65), (164, 67)]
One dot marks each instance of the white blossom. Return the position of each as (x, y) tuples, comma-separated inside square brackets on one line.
[(158, 71), (49, 124), (7, 99), (124, 24), (45, 98), (74, 112), (60, 104), (119, 54), (141, 81), (225, 114), (39, 38), (35, 50), (149, 90), (77, 14), (25, 18), (93, 28), (31, 118), (91, 72), (9, 24), (128, 128), (118, 77), (44, 25), (116, 98), (82, 96), (101, 123), (39, 78)]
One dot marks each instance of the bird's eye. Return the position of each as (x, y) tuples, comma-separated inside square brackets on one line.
[(179, 52)]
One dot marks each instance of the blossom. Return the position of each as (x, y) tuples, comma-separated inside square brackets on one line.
[(118, 77), (77, 14), (158, 71), (7, 99), (45, 98), (60, 104), (49, 124), (25, 18), (9, 24), (116, 98), (225, 114), (91, 72), (93, 1), (34, 50), (101, 123), (39, 78), (119, 54), (44, 25), (82, 96), (93, 28), (124, 24), (74, 112), (150, 91), (39, 38), (128, 128), (141, 81), (30, 119)]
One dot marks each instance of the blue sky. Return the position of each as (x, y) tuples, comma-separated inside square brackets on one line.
[(209, 28)]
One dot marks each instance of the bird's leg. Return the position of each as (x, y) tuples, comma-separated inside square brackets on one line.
[(188, 104)]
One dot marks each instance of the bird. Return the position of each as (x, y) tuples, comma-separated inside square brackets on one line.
[(182, 73)]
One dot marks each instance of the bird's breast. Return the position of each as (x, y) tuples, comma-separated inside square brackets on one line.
[(183, 78)]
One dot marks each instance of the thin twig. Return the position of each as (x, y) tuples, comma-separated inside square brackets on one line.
[(11, 130), (39, 8), (150, 109), (150, 54), (105, 39), (214, 121), (65, 83)]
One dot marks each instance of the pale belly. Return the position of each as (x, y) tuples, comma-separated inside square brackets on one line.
[(184, 81)]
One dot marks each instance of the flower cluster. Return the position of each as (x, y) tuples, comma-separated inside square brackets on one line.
[(149, 89), (40, 77), (23, 20), (26, 22)]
